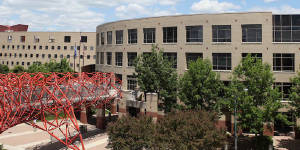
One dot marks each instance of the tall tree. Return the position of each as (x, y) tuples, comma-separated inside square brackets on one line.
[(201, 87), (52, 66), (295, 95), (155, 74), (252, 92)]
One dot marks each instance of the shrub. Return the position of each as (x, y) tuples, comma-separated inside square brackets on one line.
[(188, 130), (129, 133)]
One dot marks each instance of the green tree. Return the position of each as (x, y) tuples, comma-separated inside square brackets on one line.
[(37, 67), (295, 95), (201, 87), (4, 69), (155, 74), (52, 66), (18, 69), (251, 90)]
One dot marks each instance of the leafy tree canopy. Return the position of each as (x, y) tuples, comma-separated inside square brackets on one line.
[(155, 74), (201, 87)]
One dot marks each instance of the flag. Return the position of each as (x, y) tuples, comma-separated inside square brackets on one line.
[(75, 50)]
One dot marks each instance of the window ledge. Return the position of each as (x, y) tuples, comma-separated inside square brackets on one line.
[(221, 43), (130, 67), (286, 42), (119, 66), (132, 43), (285, 101), (148, 43), (251, 42), (285, 72), (169, 43), (223, 71), (194, 43), (119, 44)]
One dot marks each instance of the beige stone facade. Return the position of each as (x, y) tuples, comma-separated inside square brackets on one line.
[(24, 48), (267, 47)]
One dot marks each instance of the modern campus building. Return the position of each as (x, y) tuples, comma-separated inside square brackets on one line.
[(19, 47), (222, 38)]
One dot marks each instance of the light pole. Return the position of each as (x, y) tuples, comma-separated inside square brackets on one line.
[(235, 126)]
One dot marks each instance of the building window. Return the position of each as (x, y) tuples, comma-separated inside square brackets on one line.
[(221, 33), (83, 39), (68, 56), (52, 47), (43, 55), (119, 37), (49, 55), (46, 47), (61, 56), (36, 39), (101, 57), (78, 47), (194, 33), (67, 39), (131, 58), (132, 36), (26, 55), (102, 38), (170, 34), (92, 48), (55, 55), (28, 63), (23, 46), (131, 83), (286, 28), (109, 37), (51, 40), (9, 38), (284, 62), (41, 47), (251, 33), (88, 56), (119, 59), (72, 48), (221, 61), (37, 55), (192, 57), (22, 39), (284, 88), (81, 56), (65, 47), (58, 47), (149, 35), (13, 46), (34, 47), (94, 56), (97, 39), (28, 47), (97, 57), (108, 58), (84, 47), (172, 57), (18, 46)]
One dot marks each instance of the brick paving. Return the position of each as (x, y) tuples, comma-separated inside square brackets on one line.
[(25, 137)]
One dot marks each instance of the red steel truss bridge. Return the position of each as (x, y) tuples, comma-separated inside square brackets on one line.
[(29, 96)]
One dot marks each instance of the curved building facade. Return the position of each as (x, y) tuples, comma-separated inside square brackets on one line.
[(222, 38)]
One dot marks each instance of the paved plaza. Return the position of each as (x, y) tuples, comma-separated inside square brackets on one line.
[(25, 137)]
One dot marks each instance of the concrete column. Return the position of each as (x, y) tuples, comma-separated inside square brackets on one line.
[(100, 118), (83, 115), (151, 105), (113, 107)]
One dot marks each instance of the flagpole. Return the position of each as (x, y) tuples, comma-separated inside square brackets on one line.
[(74, 56)]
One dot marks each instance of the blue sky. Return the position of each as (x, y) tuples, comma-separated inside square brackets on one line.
[(85, 15)]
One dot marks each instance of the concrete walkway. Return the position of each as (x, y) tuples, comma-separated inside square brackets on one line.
[(25, 137), (286, 143)]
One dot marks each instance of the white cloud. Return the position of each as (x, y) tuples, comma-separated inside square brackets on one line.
[(269, 1), (286, 9), (211, 6), (66, 15), (130, 11)]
